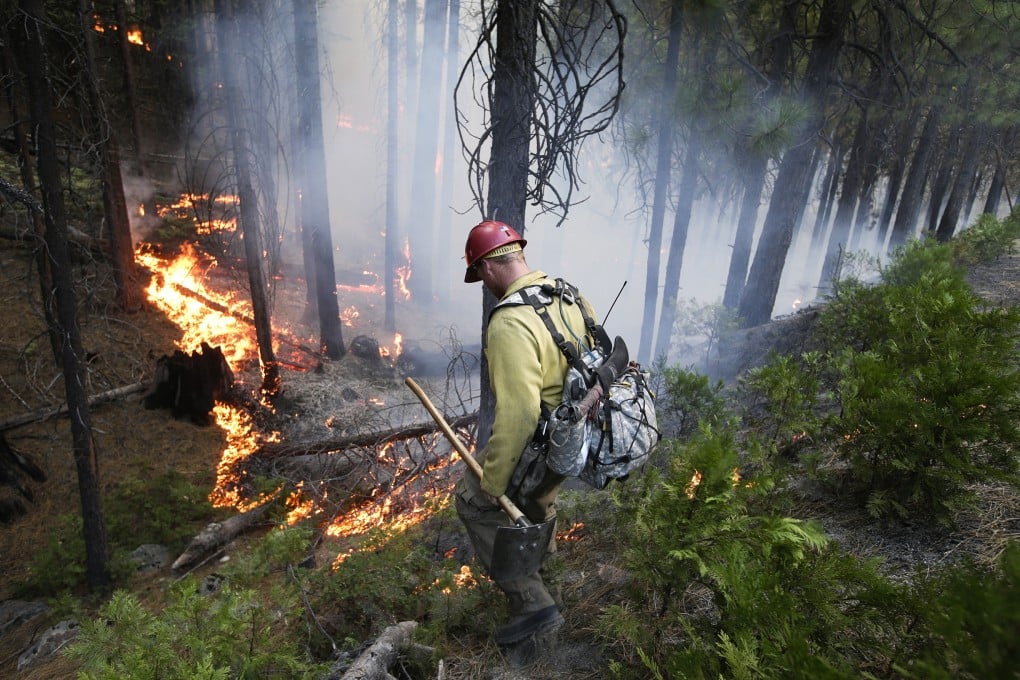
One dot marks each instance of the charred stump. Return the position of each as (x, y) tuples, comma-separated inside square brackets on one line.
[(190, 384)]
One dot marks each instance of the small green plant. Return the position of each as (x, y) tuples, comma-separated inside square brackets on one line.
[(701, 326), (692, 398), (726, 588), (987, 239), (165, 509), (781, 399), (928, 388), (231, 634), (968, 618)]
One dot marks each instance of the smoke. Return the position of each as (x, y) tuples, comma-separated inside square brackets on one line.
[(600, 247)]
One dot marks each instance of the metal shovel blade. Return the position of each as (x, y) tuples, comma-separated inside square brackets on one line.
[(519, 550)]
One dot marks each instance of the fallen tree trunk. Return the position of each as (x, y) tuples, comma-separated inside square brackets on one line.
[(101, 398), (375, 662), (217, 534), (362, 439)]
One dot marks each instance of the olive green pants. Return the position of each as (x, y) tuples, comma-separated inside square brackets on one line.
[(482, 517)]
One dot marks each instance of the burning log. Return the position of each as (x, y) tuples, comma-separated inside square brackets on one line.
[(374, 663), (190, 384), (218, 534)]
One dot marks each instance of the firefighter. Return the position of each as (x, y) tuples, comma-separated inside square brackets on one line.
[(526, 371)]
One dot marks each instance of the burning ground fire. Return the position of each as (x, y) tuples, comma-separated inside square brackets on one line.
[(181, 287)]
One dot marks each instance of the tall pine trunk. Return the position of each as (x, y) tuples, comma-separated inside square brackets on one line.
[(954, 209), (315, 227), (248, 200), (114, 203), (909, 211), (27, 33), (795, 174), (511, 107), (392, 241), (663, 171), (423, 179)]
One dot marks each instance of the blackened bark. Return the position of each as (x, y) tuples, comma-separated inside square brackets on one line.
[(787, 204), (678, 242), (898, 164), (754, 181), (830, 191), (663, 171), (847, 203), (909, 210), (316, 231), (512, 104), (961, 186), (249, 212), (940, 187), (27, 32)]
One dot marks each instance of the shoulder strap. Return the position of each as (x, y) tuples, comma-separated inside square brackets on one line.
[(540, 297)]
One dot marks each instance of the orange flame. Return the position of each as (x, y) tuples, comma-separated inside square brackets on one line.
[(134, 36)]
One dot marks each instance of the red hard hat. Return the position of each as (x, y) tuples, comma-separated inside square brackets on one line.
[(484, 238)]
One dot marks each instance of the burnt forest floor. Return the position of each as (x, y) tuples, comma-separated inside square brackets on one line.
[(138, 443)]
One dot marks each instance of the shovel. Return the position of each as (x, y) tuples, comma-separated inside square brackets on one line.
[(520, 548)]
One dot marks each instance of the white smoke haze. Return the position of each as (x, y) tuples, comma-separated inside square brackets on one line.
[(600, 247)]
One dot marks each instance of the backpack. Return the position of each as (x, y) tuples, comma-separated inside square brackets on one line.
[(605, 426)]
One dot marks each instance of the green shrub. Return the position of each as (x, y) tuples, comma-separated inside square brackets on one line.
[(724, 588), (165, 509), (987, 239), (692, 398), (928, 387), (231, 634), (780, 399), (968, 623)]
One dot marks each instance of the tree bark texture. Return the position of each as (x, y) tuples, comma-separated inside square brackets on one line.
[(954, 210), (314, 204), (28, 34), (786, 206), (909, 210), (511, 107)]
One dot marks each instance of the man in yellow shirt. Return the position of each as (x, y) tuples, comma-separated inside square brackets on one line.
[(526, 370)]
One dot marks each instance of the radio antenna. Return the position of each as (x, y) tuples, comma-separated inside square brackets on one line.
[(606, 317)]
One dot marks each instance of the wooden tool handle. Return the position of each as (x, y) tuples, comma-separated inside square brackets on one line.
[(508, 506)]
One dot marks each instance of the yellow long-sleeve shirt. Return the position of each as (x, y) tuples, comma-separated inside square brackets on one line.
[(526, 368)]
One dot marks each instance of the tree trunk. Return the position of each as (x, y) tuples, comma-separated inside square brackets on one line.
[(423, 180), (249, 212), (663, 171), (901, 149), (786, 205), (511, 107), (121, 249), (21, 137), (961, 186), (839, 237), (392, 242), (754, 181), (678, 243), (28, 36), (943, 178), (998, 183), (909, 210), (830, 188), (131, 98), (446, 234), (315, 224)]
